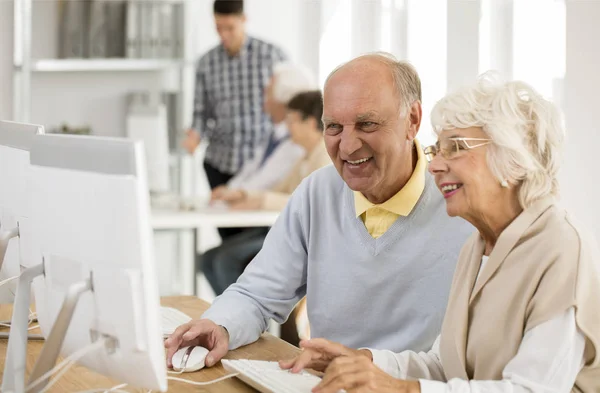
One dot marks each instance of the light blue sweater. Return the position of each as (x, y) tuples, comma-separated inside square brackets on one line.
[(385, 293)]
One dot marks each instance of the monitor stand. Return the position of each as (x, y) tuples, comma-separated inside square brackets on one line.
[(52, 346), (14, 370), (5, 237)]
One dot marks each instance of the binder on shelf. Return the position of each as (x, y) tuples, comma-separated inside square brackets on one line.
[(145, 29), (154, 27), (73, 31), (132, 30), (178, 30), (115, 15), (166, 26), (98, 29)]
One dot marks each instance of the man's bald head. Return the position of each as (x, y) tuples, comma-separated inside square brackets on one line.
[(371, 116), (374, 66)]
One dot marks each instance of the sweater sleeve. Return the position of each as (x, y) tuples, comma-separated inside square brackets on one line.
[(273, 282)]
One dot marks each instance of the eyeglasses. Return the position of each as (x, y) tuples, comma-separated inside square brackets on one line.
[(451, 147)]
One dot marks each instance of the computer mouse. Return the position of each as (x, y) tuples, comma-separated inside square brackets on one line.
[(189, 359)]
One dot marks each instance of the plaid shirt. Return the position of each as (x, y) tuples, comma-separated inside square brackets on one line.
[(228, 103)]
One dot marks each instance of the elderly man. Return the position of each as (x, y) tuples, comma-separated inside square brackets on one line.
[(367, 240)]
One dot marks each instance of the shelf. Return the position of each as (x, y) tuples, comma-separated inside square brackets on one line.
[(100, 65)]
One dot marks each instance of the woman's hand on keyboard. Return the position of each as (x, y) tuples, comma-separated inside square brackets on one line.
[(318, 353), (358, 374), (200, 332)]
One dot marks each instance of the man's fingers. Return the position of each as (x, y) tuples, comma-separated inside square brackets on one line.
[(196, 331), (172, 347), (220, 349), (170, 352), (199, 332), (173, 343)]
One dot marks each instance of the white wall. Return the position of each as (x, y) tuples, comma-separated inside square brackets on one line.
[(6, 53), (582, 86), (462, 43)]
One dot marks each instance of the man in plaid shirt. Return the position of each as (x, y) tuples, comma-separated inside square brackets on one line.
[(229, 99)]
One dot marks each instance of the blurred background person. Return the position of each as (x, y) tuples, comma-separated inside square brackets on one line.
[(274, 162), (281, 153), (224, 264), (228, 100)]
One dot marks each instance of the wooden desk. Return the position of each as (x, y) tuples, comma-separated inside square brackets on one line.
[(79, 378)]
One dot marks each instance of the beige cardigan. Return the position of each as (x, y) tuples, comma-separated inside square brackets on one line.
[(277, 197), (541, 265)]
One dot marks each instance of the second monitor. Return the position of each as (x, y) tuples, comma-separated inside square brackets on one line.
[(92, 232)]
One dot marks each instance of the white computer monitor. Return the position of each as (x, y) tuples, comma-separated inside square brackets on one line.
[(15, 143), (92, 222)]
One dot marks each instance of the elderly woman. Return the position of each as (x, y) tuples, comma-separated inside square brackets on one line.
[(524, 308)]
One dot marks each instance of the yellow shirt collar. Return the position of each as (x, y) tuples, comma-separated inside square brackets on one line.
[(405, 200)]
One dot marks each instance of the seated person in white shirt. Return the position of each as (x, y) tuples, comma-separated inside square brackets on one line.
[(523, 314), (281, 154), (223, 265)]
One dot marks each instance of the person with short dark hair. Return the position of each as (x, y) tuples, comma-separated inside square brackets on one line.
[(224, 264), (228, 7), (228, 103)]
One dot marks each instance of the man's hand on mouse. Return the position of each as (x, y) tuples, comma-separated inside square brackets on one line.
[(202, 332)]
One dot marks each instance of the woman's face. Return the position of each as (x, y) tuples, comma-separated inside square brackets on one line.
[(462, 174), (299, 128)]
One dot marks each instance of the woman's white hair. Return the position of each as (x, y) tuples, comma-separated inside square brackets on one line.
[(290, 80), (525, 128)]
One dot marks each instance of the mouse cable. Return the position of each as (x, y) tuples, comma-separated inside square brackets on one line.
[(117, 389), (203, 383), (9, 280)]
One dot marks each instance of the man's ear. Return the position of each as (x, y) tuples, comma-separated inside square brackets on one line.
[(415, 115)]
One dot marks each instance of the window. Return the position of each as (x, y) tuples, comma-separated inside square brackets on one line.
[(539, 44), (335, 46), (427, 32)]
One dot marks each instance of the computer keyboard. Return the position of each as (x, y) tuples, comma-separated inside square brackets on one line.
[(267, 377), (171, 319)]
